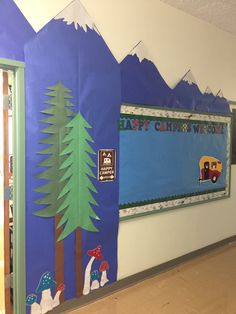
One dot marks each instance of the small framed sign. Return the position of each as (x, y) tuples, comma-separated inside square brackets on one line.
[(106, 165)]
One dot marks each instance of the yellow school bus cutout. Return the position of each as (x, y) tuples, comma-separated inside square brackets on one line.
[(210, 169)]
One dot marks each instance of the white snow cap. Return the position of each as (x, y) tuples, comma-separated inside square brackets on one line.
[(76, 13), (189, 78), (220, 94), (208, 90), (140, 51)]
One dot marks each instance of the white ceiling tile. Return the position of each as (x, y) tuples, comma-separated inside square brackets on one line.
[(221, 13)]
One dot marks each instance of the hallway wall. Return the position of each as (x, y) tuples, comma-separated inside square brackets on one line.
[(175, 42)]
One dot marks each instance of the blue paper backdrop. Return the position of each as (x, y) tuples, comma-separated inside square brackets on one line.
[(156, 164), (15, 31), (142, 84), (82, 62)]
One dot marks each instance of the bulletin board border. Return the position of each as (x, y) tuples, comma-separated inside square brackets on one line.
[(134, 210)]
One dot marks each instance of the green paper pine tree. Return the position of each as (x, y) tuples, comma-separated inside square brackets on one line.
[(59, 115), (76, 207)]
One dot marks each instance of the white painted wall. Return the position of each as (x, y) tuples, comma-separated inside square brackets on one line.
[(176, 41)]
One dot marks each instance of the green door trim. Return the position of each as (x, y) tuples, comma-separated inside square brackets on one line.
[(18, 94)]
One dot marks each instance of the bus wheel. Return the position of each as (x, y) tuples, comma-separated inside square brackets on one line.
[(214, 179)]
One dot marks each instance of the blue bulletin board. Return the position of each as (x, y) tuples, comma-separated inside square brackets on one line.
[(171, 158)]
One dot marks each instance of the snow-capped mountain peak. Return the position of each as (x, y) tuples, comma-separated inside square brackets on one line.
[(140, 51), (189, 78), (208, 90), (76, 13), (220, 94)]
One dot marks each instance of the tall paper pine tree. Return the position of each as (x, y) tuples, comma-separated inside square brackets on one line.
[(58, 117), (77, 193)]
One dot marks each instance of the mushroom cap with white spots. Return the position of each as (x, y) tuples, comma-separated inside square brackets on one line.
[(31, 299), (94, 275), (45, 282), (97, 252)]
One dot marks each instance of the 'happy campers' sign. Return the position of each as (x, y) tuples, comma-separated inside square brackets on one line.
[(141, 123)]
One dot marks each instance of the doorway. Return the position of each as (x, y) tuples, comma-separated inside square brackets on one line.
[(206, 170), (12, 187), (6, 172)]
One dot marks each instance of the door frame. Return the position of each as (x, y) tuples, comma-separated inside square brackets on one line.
[(18, 97)]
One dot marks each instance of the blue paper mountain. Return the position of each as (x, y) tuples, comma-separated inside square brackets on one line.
[(191, 97), (219, 104), (70, 50), (15, 31), (204, 101), (188, 92), (143, 84)]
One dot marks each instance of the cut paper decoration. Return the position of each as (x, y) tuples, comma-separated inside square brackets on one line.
[(94, 278), (76, 14), (220, 104), (15, 31), (208, 91), (210, 169), (62, 53), (189, 78), (31, 301), (142, 83), (104, 267), (76, 207), (56, 300), (188, 91), (204, 101), (93, 254), (192, 99), (58, 116), (46, 283), (140, 51)]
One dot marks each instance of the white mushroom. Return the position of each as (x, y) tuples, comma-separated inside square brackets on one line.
[(45, 284), (94, 254), (56, 299), (94, 277), (35, 308), (103, 269)]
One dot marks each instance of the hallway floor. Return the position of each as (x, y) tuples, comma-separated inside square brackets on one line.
[(1, 271), (205, 285)]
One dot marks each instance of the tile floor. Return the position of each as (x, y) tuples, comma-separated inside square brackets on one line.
[(206, 285)]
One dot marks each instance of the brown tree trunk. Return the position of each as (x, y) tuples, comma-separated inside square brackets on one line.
[(78, 263), (59, 256)]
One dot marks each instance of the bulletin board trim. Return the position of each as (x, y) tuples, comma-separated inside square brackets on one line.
[(134, 210)]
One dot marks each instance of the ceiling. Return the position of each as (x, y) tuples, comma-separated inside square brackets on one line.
[(221, 13)]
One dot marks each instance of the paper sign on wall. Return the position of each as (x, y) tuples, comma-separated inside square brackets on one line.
[(106, 165)]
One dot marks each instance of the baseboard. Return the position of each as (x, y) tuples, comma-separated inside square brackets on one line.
[(73, 304)]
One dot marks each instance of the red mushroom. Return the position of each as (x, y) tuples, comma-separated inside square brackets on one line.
[(103, 269), (97, 252), (94, 254), (56, 300), (61, 287)]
